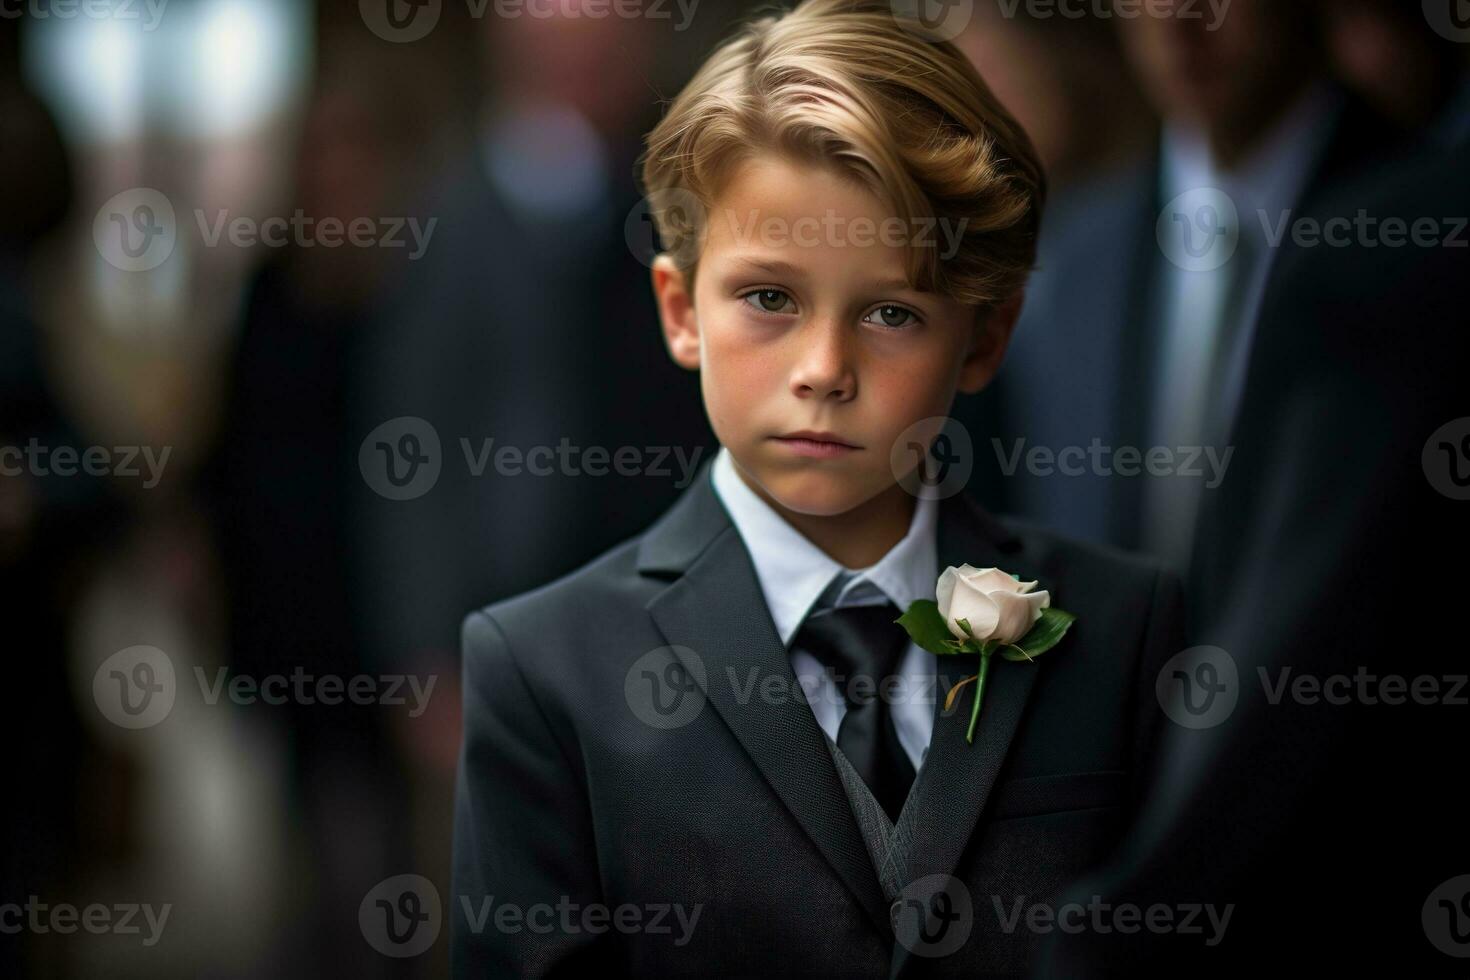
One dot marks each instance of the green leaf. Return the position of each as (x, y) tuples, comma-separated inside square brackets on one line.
[(926, 627), (1045, 634)]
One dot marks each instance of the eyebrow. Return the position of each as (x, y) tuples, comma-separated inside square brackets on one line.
[(774, 266), (777, 267)]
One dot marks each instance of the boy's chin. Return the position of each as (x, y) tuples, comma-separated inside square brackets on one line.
[(823, 493)]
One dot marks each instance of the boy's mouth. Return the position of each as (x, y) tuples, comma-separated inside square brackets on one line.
[(822, 445)]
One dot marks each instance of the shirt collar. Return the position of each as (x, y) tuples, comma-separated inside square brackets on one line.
[(793, 572), (1272, 176)]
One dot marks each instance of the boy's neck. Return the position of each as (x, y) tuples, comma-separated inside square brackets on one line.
[(856, 538)]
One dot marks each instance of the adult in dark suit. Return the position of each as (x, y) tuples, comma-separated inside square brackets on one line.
[(1331, 819), (573, 788), (1114, 350)]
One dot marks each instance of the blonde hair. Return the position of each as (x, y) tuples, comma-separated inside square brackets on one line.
[(843, 83)]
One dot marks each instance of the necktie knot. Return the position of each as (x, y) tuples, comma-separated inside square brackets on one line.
[(857, 642)]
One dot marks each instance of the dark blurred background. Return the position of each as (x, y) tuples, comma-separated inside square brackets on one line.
[(501, 293)]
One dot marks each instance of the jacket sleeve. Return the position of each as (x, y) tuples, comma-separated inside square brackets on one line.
[(525, 862), (1164, 636)]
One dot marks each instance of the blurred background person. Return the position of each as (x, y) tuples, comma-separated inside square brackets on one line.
[(1150, 273), (1351, 469), (1391, 55), (1065, 80), (283, 482), (50, 530)]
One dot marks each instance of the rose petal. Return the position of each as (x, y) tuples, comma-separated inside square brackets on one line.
[(977, 607), (944, 588), (1018, 613)]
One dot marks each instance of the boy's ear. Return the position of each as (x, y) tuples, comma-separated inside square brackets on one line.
[(990, 337), (676, 312)]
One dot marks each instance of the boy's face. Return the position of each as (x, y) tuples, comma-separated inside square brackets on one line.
[(802, 321)]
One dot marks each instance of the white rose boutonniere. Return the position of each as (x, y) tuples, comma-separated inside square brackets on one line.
[(984, 611)]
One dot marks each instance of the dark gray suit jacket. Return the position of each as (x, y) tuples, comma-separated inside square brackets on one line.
[(586, 782), (1094, 296)]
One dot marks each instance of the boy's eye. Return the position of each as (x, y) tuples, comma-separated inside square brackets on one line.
[(767, 300), (891, 316)]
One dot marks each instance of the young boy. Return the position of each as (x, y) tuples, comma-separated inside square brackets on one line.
[(712, 750)]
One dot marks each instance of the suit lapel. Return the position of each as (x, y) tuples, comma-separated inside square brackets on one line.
[(716, 609), (957, 777)]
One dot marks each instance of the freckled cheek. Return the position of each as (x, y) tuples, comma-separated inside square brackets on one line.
[(736, 362), (912, 389), (736, 377)]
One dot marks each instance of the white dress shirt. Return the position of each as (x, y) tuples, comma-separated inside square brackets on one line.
[(1265, 188), (794, 573)]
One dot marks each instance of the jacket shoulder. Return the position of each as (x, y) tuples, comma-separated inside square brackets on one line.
[(600, 590), (1046, 548)]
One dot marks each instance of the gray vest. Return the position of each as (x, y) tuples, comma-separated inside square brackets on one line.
[(887, 842)]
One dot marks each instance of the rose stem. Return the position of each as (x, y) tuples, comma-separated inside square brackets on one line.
[(979, 693)]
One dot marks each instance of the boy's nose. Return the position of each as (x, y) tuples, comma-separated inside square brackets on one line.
[(824, 367)]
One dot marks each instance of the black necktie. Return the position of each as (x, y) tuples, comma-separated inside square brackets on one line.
[(864, 641)]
